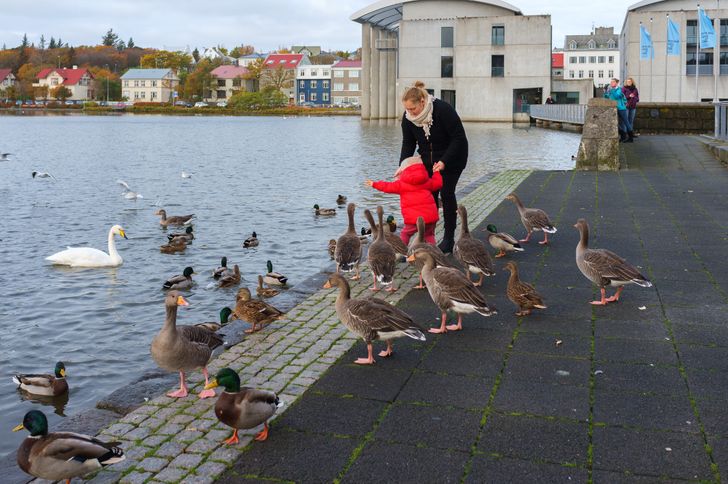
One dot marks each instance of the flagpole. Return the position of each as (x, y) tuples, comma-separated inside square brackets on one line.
[(639, 58), (716, 55), (652, 62), (667, 32), (697, 56), (679, 63)]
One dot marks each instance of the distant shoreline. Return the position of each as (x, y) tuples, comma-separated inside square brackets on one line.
[(179, 111)]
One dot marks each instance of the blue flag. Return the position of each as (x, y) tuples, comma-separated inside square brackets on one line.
[(673, 38), (646, 51), (707, 33)]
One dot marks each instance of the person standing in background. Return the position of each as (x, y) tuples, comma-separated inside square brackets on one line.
[(614, 92), (633, 97)]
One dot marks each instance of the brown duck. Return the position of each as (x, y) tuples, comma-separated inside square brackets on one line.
[(231, 278), (262, 291), (254, 311), (533, 219), (522, 294)]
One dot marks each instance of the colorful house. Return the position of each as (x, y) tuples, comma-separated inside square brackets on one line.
[(78, 81), (7, 79), (229, 80), (313, 85), (280, 70), (149, 85), (346, 83)]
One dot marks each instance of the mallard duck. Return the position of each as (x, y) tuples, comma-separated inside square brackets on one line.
[(231, 278), (254, 311), (366, 231), (174, 245), (324, 211), (183, 281), (215, 327), (502, 241), (471, 252), (348, 248), (61, 455), (173, 220), (604, 267), (46, 385), (90, 257), (332, 248), (391, 223), (451, 289), (183, 348), (244, 408), (533, 219), (265, 291), (522, 294), (372, 319), (418, 242), (187, 235), (251, 241), (222, 270), (341, 200), (274, 278), (381, 257)]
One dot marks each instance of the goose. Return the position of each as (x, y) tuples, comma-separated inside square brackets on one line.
[(265, 291), (45, 385), (341, 200), (183, 348), (174, 220), (128, 193), (347, 252), (324, 211), (251, 241), (174, 245), (274, 278), (502, 241), (222, 270), (381, 257), (471, 252), (61, 455), (90, 257), (187, 235), (451, 289), (215, 327), (604, 267), (372, 319), (231, 279), (533, 219), (254, 311), (42, 174), (522, 294), (242, 408), (394, 240), (418, 242), (182, 281)]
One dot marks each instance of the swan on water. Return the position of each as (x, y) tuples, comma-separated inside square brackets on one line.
[(90, 257)]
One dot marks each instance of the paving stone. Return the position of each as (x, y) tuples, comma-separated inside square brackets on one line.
[(171, 474), (488, 468), (153, 464), (170, 449), (362, 381), (210, 469), (186, 460), (135, 478), (569, 401), (547, 369), (639, 378), (472, 392), (138, 433)]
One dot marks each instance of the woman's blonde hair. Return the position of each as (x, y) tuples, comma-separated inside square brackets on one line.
[(415, 92), (632, 81)]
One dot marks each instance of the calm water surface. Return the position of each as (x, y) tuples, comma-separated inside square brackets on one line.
[(249, 173)]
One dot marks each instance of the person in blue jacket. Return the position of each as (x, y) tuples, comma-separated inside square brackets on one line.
[(614, 92)]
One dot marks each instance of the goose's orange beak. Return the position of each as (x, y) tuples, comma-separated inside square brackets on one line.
[(327, 285), (182, 301)]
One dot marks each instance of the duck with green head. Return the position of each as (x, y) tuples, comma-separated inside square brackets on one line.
[(391, 223), (43, 384), (323, 211), (274, 278), (182, 281), (215, 327), (222, 270), (502, 241)]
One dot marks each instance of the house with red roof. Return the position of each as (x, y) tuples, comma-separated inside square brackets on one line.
[(7, 79), (346, 83), (228, 80), (280, 70), (557, 65), (78, 81)]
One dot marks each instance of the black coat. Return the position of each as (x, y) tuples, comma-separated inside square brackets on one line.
[(447, 142)]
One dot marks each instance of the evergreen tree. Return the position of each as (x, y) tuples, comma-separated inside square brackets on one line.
[(110, 39), (196, 55), (42, 43), (120, 45), (52, 43), (130, 44), (59, 43), (24, 43), (4, 47)]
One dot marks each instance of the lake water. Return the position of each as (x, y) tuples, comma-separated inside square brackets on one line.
[(260, 174)]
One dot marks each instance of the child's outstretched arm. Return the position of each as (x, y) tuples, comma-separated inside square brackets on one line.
[(386, 187)]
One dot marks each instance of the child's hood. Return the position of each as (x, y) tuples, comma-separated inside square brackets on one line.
[(413, 171)]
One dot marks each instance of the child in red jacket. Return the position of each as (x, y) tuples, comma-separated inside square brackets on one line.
[(415, 188)]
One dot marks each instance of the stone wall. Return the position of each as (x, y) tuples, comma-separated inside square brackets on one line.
[(675, 118), (599, 146)]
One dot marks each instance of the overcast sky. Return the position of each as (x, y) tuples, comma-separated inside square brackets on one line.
[(267, 24)]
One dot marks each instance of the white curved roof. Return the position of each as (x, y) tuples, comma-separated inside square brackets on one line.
[(643, 3), (386, 14)]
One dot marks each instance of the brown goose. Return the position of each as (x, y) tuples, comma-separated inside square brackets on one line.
[(605, 268), (533, 219), (46, 385), (381, 256), (173, 220), (254, 311), (522, 294), (265, 291), (372, 319), (183, 348), (502, 241), (400, 248), (418, 242), (347, 253), (231, 278), (471, 252), (450, 289)]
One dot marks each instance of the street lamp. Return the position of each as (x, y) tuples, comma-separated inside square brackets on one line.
[(107, 84), (59, 61)]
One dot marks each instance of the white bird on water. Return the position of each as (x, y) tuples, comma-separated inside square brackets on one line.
[(186, 175), (128, 193), (42, 174), (4, 156), (90, 257)]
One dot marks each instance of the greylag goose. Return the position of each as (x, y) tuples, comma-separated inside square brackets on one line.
[(471, 252), (522, 294), (173, 220), (418, 242), (381, 256), (533, 219), (347, 253), (46, 385), (502, 241)]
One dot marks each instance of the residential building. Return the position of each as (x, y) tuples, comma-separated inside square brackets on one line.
[(594, 56), (149, 85), (78, 81), (482, 56), (229, 80), (214, 53), (244, 60), (309, 50), (279, 70), (557, 65), (346, 83), (313, 84), (7, 79)]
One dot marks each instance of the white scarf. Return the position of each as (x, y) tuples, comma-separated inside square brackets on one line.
[(424, 119)]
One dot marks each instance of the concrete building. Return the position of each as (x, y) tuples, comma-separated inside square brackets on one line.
[(313, 84), (594, 56), (78, 81), (673, 78), (483, 56), (346, 83), (149, 85), (7, 79), (280, 70), (228, 80)]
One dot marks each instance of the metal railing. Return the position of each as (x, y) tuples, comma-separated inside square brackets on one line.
[(721, 120), (561, 113)]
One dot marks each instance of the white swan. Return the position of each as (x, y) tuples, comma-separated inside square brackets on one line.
[(90, 257)]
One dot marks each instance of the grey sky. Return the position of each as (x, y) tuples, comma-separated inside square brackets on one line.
[(267, 24)]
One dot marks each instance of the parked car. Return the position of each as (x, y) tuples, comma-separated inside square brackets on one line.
[(222, 104), (200, 104), (307, 104), (183, 104)]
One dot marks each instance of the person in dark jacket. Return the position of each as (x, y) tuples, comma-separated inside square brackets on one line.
[(633, 97), (433, 128)]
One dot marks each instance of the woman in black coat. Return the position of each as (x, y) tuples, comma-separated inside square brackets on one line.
[(433, 127)]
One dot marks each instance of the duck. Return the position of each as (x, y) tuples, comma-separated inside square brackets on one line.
[(174, 245), (391, 223), (347, 252), (366, 231), (90, 257), (187, 235), (332, 248), (522, 294), (341, 200), (45, 385), (182, 281), (372, 319), (533, 219), (265, 291), (215, 327), (605, 268), (254, 311), (419, 242), (251, 241), (472, 252), (61, 455), (381, 257), (173, 220), (274, 278), (324, 211), (242, 408), (183, 348), (222, 270), (451, 289), (502, 241), (231, 279)]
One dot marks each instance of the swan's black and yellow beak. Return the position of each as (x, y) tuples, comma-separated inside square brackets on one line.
[(212, 384), (123, 233)]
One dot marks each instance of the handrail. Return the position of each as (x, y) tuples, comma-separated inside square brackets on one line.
[(561, 113)]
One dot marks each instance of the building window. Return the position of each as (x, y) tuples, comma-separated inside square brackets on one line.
[(313, 96), (354, 86), (498, 35), (325, 96), (325, 83), (221, 94), (154, 83), (446, 37), (611, 73), (338, 73), (314, 84), (591, 74), (497, 66), (602, 59), (126, 83), (54, 81), (591, 44), (154, 94), (581, 74), (572, 59), (448, 96), (611, 59), (220, 82), (302, 98), (326, 74), (354, 74), (446, 66), (314, 72), (136, 83), (136, 94), (611, 44), (572, 45), (338, 86), (237, 82), (582, 59), (592, 59), (706, 63), (302, 84), (601, 74)]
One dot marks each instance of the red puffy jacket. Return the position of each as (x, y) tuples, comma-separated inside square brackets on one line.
[(415, 188)]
